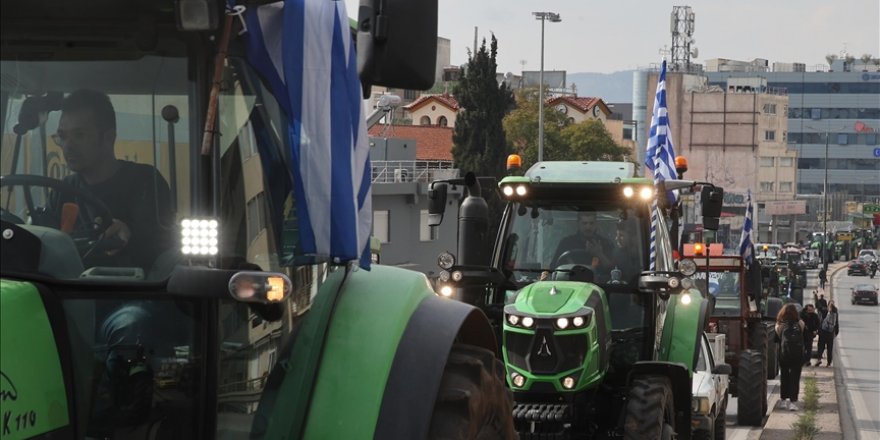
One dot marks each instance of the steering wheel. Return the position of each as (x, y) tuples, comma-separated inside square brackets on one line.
[(87, 239), (575, 256)]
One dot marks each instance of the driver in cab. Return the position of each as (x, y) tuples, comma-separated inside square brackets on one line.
[(586, 246), (137, 195)]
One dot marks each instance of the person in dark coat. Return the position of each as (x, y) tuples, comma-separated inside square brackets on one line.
[(827, 332), (811, 322)]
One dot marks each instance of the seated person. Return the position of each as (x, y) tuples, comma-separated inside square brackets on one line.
[(586, 242), (136, 194)]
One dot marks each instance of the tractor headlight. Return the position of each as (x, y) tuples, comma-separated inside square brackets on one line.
[(512, 319), (518, 380), (687, 267), (628, 192), (521, 190), (562, 323), (528, 322), (687, 283), (578, 321), (457, 276), (507, 190), (646, 193), (673, 283), (446, 260), (446, 291), (199, 237), (444, 275), (685, 298), (568, 383)]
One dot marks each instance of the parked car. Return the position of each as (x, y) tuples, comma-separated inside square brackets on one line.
[(864, 293), (709, 389), (857, 267)]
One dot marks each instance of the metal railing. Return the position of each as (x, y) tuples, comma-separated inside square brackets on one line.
[(399, 171)]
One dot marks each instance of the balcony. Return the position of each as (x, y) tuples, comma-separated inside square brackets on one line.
[(401, 171)]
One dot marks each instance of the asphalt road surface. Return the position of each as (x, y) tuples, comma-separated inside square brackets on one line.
[(857, 357)]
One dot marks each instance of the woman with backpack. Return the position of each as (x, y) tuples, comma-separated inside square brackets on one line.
[(790, 331), (827, 332)]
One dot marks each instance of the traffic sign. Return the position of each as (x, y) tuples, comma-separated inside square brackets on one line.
[(877, 152), (870, 208)]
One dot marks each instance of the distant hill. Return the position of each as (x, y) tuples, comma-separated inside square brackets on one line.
[(611, 87)]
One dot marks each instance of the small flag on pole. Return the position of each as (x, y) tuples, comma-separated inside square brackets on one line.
[(304, 52), (660, 155), (746, 248)]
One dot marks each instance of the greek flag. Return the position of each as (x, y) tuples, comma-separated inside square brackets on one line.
[(746, 249), (660, 156), (304, 52)]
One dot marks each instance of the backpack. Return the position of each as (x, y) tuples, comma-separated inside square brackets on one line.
[(829, 322), (792, 347)]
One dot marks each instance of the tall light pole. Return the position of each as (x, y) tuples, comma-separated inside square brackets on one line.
[(554, 18), (825, 197)]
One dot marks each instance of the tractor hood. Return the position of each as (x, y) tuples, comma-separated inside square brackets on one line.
[(554, 297)]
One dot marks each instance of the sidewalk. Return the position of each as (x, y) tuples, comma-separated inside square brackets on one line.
[(780, 421)]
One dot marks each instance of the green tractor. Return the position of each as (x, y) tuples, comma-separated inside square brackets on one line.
[(215, 325), (595, 344)]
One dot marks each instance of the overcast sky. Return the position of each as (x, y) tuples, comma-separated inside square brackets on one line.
[(608, 36)]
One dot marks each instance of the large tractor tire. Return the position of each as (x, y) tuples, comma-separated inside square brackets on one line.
[(473, 401), (650, 410), (751, 386), (721, 422)]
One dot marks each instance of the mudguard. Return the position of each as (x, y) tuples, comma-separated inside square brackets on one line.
[(682, 328), (382, 355), (679, 376), (33, 396)]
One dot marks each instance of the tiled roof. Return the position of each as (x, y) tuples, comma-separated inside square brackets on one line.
[(445, 99), (582, 103), (432, 142)]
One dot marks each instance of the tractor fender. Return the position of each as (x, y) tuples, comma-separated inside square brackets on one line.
[(386, 347), (681, 389)]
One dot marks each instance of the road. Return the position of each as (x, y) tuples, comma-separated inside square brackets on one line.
[(857, 357)]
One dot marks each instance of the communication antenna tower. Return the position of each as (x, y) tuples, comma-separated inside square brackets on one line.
[(683, 43)]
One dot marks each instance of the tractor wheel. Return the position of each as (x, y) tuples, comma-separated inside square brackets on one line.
[(758, 340), (752, 389), (650, 411), (473, 401)]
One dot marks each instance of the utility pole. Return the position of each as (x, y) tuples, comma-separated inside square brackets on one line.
[(554, 18)]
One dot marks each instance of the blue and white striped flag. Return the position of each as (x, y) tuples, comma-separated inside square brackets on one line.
[(660, 156), (304, 51), (746, 248)]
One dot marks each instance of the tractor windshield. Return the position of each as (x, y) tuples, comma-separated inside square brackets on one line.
[(605, 244), (725, 287)]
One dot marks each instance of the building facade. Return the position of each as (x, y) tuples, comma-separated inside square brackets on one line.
[(834, 114)]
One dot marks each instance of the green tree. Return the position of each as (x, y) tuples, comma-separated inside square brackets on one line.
[(589, 140), (478, 139), (521, 130)]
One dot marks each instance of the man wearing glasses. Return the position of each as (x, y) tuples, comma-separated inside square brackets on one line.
[(137, 195), (585, 242)]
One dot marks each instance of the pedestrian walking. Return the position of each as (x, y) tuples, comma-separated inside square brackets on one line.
[(823, 277), (790, 332), (827, 332), (812, 323), (822, 306)]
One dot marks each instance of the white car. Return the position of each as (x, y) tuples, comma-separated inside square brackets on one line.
[(709, 390), (872, 253)]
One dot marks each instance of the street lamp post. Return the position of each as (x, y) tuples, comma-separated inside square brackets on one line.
[(554, 18), (825, 198)]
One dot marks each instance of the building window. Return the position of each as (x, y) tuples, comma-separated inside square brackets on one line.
[(425, 120), (842, 139), (382, 226), (786, 162), (770, 109), (785, 187), (628, 134), (441, 121), (769, 135), (767, 161), (784, 136), (871, 139), (410, 95), (816, 113), (766, 186), (426, 233)]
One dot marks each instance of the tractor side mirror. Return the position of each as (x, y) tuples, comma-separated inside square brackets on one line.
[(722, 369), (397, 44), (436, 203), (712, 199)]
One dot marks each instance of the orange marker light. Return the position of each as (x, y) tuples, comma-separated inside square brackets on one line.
[(681, 164), (514, 162), (698, 248), (276, 289)]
